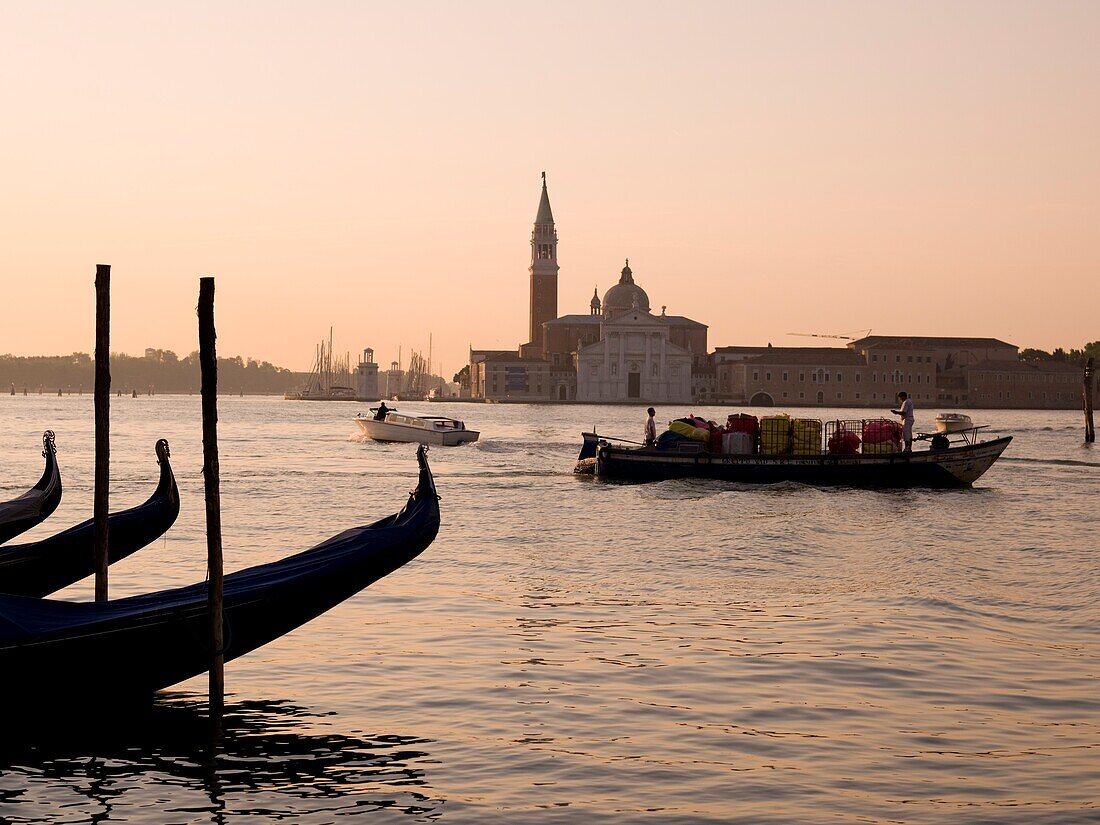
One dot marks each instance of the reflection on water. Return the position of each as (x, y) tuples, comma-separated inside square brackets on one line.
[(160, 764), (570, 651)]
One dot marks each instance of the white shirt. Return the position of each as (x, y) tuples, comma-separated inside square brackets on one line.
[(907, 411), (650, 429)]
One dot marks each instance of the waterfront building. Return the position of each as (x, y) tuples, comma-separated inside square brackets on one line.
[(366, 378), (618, 351), (1014, 385), (869, 372), (820, 376)]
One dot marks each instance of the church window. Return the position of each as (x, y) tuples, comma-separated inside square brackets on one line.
[(655, 369), (768, 376), (784, 378), (614, 368)]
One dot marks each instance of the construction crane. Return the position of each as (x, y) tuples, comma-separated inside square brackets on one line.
[(853, 337)]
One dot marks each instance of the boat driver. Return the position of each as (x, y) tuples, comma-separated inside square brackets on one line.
[(906, 413), (650, 428), (380, 414)]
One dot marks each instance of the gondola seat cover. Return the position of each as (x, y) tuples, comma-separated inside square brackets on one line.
[(806, 436), (775, 434)]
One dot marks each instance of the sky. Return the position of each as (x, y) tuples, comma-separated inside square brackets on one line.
[(911, 168)]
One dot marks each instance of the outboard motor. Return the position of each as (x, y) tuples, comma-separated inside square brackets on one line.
[(940, 442)]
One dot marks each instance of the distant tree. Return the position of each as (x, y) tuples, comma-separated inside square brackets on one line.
[(1030, 354), (462, 377)]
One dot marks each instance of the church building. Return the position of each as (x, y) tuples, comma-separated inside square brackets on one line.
[(619, 351)]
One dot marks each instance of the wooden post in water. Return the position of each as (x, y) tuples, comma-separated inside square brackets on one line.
[(1090, 430), (100, 508), (211, 472)]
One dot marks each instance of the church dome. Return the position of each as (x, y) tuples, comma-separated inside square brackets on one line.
[(625, 294)]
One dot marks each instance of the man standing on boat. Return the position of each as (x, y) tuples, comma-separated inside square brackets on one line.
[(380, 413), (650, 428), (906, 413)]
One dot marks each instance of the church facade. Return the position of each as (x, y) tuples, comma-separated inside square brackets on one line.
[(617, 352)]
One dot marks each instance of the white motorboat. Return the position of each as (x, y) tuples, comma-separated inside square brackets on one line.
[(953, 422), (434, 430)]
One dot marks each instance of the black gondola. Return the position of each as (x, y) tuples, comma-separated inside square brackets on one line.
[(34, 506), (137, 645), (43, 567)]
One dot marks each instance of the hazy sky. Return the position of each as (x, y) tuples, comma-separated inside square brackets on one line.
[(928, 168)]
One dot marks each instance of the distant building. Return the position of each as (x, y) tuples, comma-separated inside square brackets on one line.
[(511, 377), (947, 353), (819, 376), (619, 351), (950, 372), (1014, 384), (366, 378)]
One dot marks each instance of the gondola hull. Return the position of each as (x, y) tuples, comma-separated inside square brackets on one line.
[(34, 506), (135, 646), (954, 467), (43, 567)]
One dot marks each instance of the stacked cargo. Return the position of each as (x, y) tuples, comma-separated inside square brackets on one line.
[(881, 437), (688, 428), (775, 434), (740, 435), (844, 437), (806, 436), (738, 444)]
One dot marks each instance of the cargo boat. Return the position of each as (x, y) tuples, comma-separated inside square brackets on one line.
[(959, 464)]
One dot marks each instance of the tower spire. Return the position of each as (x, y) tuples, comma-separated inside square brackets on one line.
[(544, 271), (545, 216)]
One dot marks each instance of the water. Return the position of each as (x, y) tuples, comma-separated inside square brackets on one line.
[(577, 651)]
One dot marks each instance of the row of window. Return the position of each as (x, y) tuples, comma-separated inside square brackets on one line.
[(822, 376), (858, 397), (925, 359), (654, 370), (1007, 396), (1027, 377)]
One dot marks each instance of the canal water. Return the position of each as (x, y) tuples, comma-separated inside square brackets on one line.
[(576, 651)]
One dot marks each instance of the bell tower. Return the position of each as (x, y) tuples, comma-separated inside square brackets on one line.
[(544, 271)]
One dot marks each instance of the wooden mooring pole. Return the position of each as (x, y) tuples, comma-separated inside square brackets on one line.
[(101, 504), (211, 472), (1087, 391)]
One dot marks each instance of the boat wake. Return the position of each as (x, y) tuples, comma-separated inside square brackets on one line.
[(1061, 462)]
